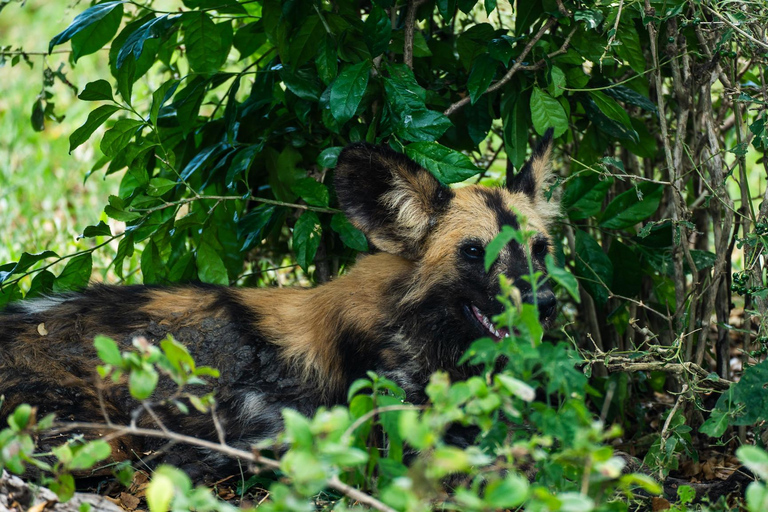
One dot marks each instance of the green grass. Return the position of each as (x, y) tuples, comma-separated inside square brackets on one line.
[(44, 201)]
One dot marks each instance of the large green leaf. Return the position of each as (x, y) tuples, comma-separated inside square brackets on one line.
[(210, 267), (611, 109), (134, 44), (306, 239), (516, 130), (75, 275), (93, 37), (593, 267), (84, 20), (445, 164), (96, 118), (25, 261), (584, 195), (632, 206), (547, 112), (377, 31), (207, 43), (349, 234), (117, 137), (483, 71), (348, 89), (304, 43)]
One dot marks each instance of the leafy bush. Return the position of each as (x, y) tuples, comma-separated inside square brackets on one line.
[(225, 119)]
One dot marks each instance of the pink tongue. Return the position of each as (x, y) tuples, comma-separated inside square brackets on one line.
[(482, 319)]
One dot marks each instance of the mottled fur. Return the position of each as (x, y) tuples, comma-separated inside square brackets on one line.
[(404, 311)]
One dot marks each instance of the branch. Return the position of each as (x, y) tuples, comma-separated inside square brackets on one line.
[(517, 65), (254, 457), (410, 23)]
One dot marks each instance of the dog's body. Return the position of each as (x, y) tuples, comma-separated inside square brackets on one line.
[(403, 312)]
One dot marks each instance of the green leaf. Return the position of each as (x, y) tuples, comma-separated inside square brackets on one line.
[(19, 420), (591, 18), (756, 459), (631, 97), (490, 5), (153, 268), (557, 82), (328, 157), (107, 350), (611, 109), (311, 191), (516, 131), (160, 97), (118, 137), (303, 83), (304, 43), (249, 38), (593, 266), (716, 424), (25, 261), (89, 454), (75, 275), (422, 125), (159, 186), (627, 209), (483, 71), (207, 43), (142, 382), (377, 31), (630, 48), (547, 112), (84, 20), (583, 198), (93, 37), (177, 355), (210, 267), (255, 226), (348, 89), (96, 118), (99, 90), (326, 61), (306, 238), (349, 234), (500, 241), (42, 284), (152, 29), (241, 163), (510, 492), (445, 164), (562, 277)]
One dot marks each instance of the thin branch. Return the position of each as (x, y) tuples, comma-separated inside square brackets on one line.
[(254, 457), (758, 42), (410, 26), (515, 67)]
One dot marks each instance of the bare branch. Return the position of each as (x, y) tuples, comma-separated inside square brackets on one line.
[(410, 26)]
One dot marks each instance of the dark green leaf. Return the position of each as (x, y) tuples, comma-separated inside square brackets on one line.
[(349, 234), (445, 164), (631, 97), (630, 48), (249, 38), (328, 157), (207, 43), (627, 209), (304, 45), (41, 285), (117, 137), (584, 195), (611, 109), (75, 275), (161, 95), (96, 118), (516, 131), (547, 112), (490, 5), (562, 277), (377, 31), (93, 37), (152, 266), (152, 29), (303, 83), (210, 267), (311, 191), (84, 20), (241, 163), (38, 115), (591, 18), (99, 90), (101, 229), (26, 261), (483, 71), (327, 61), (447, 9), (306, 239), (557, 82), (348, 89), (159, 186), (255, 226), (202, 159), (593, 267)]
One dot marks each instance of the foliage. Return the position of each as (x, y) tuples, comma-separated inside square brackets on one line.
[(224, 119)]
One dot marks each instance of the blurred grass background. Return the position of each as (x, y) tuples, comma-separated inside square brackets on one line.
[(44, 201)]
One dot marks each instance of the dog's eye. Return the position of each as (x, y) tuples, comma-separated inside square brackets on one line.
[(540, 248), (473, 252)]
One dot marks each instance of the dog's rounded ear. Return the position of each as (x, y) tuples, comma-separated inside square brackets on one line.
[(389, 197), (534, 176)]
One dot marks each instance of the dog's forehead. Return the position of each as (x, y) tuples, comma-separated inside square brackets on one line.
[(483, 211)]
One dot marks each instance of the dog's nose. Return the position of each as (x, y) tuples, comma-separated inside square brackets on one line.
[(547, 304)]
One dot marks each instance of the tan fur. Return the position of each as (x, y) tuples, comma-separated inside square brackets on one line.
[(301, 322)]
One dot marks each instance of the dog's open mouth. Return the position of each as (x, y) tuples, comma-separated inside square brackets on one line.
[(488, 326)]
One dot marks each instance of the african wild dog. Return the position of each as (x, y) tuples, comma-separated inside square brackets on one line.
[(412, 307)]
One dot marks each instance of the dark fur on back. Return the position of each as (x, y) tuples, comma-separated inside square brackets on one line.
[(404, 312)]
